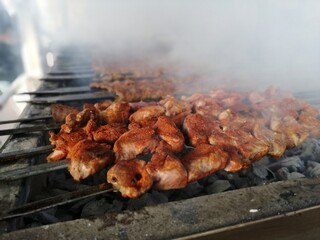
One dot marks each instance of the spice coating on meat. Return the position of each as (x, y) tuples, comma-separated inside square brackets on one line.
[(89, 157), (130, 178), (166, 170), (135, 142), (60, 111), (204, 160), (168, 131)]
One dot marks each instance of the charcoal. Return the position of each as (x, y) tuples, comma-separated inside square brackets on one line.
[(294, 164), (260, 171), (208, 180), (147, 199), (285, 174), (295, 175), (95, 208), (311, 151), (191, 190), (282, 173), (313, 169), (116, 206), (46, 216), (64, 215), (79, 204), (240, 182), (218, 186)]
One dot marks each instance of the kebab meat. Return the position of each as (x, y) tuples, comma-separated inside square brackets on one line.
[(172, 142)]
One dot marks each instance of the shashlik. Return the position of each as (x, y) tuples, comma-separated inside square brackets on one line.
[(227, 130)]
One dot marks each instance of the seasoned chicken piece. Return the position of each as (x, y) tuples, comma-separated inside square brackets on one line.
[(204, 160), (131, 90), (166, 170), (295, 133), (235, 161), (250, 147), (135, 142), (88, 157), (117, 112), (168, 131), (64, 142), (147, 113), (276, 141), (310, 122), (109, 133), (89, 112), (145, 117), (205, 104), (70, 123), (226, 143), (198, 128), (229, 118), (134, 106), (130, 178), (176, 109), (60, 111), (101, 106)]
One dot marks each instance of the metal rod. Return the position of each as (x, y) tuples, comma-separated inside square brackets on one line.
[(71, 97), (33, 170), (60, 91), (24, 120), (25, 130), (64, 73), (69, 77), (12, 156), (59, 200)]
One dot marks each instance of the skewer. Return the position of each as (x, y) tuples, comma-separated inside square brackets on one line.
[(24, 120), (24, 130), (65, 90), (71, 97), (59, 200), (64, 73), (33, 170), (68, 77), (12, 156)]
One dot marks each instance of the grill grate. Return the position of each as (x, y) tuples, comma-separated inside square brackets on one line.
[(191, 216)]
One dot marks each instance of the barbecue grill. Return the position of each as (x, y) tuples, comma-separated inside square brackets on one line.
[(276, 198)]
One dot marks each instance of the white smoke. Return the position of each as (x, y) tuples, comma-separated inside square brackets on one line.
[(249, 43)]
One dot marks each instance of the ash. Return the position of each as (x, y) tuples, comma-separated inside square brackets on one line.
[(300, 162)]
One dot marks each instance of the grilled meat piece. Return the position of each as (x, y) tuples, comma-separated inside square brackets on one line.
[(60, 111), (130, 90), (109, 133), (176, 109), (88, 157), (166, 170), (168, 131), (198, 128), (147, 113), (205, 105), (130, 178), (204, 160), (64, 142), (135, 142), (117, 112)]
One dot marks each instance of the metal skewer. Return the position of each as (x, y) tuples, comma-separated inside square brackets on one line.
[(71, 97), (33, 170), (65, 90), (12, 156), (59, 200), (24, 130), (24, 120)]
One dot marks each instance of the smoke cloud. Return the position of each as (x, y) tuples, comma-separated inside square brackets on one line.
[(244, 44)]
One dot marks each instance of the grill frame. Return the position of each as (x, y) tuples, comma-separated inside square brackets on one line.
[(301, 198)]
